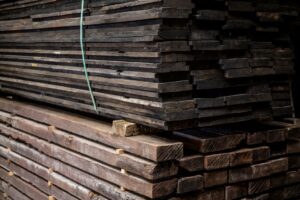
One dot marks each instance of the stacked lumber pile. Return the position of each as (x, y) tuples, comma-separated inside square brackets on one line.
[(291, 181), (258, 161), (50, 154), (151, 61), (136, 53), (290, 11), (243, 59)]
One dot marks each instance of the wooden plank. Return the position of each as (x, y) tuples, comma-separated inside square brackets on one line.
[(189, 184), (208, 141), (218, 193), (240, 174), (152, 171), (26, 188), (259, 186), (261, 154), (292, 192), (215, 178), (125, 129), (53, 178), (241, 157), (192, 163), (160, 150), (236, 191), (40, 183), (270, 167), (9, 192), (103, 187), (100, 170), (216, 161)]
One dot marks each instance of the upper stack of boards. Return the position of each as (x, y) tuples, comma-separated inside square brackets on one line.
[(243, 60), (136, 53), (167, 64)]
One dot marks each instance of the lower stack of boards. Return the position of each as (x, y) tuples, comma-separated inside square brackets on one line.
[(50, 154)]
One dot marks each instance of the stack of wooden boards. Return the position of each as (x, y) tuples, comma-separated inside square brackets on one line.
[(169, 64), (250, 162), (291, 12), (136, 53), (50, 154), (243, 60)]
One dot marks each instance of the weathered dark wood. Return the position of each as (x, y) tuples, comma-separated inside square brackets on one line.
[(102, 187), (254, 138), (151, 61), (191, 163), (236, 191), (9, 192), (53, 178), (208, 140), (23, 186), (240, 47), (189, 184), (102, 171), (240, 174), (153, 148), (261, 154), (269, 168), (294, 162), (215, 178), (97, 151), (259, 186), (218, 193), (216, 161), (261, 197), (40, 183), (130, 61), (241, 157), (247, 171), (292, 177), (292, 192)]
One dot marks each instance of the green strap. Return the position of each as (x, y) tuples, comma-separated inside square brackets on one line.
[(83, 57)]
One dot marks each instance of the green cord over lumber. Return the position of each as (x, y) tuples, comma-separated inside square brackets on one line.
[(83, 57)]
